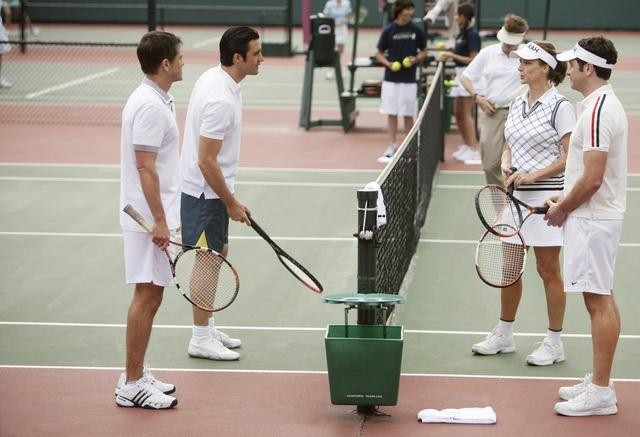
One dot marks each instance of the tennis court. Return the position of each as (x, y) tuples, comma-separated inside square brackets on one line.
[(64, 302)]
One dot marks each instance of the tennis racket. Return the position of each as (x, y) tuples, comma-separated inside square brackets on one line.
[(203, 276), (495, 205), (500, 260), (294, 267)]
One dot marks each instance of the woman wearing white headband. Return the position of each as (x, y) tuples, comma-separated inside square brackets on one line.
[(537, 134)]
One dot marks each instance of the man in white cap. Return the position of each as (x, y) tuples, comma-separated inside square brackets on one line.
[(591, 209), (498, 75)]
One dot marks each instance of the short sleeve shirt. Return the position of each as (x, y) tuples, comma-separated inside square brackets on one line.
[(398, 42), (215, 112), (602, 127), (149, 125)]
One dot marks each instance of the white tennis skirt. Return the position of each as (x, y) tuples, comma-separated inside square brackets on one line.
[(535, 231)]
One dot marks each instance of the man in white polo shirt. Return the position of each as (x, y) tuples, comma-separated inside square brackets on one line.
[(592, 210), (150, 182), (492, 78), (210, 155)]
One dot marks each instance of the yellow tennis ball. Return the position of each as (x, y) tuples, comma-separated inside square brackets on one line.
[(406, 62), (396, 66), (440, 45)]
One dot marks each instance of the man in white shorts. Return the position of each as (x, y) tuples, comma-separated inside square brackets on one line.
[(210, 156), (150, 182), (400, 39), (592, 210)]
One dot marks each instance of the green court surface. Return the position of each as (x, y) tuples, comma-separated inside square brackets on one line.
[(64, 301)]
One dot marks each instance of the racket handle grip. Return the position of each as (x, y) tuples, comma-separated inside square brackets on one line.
[(542, 209), (134, 214)]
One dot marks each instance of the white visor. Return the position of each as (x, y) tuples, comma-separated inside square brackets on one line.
[(585, 55), (512, 39), (534, 51)]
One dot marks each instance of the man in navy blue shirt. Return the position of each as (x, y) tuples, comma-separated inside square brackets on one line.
[(402, 45)]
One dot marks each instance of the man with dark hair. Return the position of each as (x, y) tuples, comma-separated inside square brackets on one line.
[(210, 155), (592, 209), (400, 40), (150, 182)]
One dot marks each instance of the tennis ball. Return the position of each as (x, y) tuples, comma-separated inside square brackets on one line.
[(396, 66), (406, 62), (440, 45)]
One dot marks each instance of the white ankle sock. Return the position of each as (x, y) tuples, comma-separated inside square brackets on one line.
[(554, 336), (200, 334), (505, 328)]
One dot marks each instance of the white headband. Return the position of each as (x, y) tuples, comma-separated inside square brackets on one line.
[(585, 55), (534, 51)]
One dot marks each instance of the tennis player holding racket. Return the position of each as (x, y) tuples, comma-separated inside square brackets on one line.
[(537, 134), (150, 183), (210, 155)]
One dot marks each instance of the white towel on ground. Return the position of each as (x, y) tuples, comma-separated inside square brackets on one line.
[(485, 416)]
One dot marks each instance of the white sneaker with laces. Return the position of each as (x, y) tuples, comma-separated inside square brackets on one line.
[(590, 402), (461, 151), (164, 387), (546, 354), (228, 342), (144, 394), (4, 83), (212, 350), (388, 154), (472, 157), (494, 343), (570, 392)]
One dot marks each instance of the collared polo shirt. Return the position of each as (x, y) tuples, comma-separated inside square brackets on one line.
[(149, 124), (602, 127), (215, 112)]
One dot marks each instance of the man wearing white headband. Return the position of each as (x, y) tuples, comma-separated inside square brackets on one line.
[(492, 80), (592, 209)]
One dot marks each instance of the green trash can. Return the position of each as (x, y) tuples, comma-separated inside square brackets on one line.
[(363, 362)]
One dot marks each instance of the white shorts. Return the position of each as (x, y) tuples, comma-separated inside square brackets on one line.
[(590, 253), (535, 231), (341, 34), (399, 99), (144, 262), (459, 90)]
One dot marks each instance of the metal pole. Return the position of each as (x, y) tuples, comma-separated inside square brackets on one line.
[(151, 14), (546, 19)]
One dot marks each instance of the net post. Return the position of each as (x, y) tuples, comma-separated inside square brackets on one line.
[(151, 14), (367, 218)]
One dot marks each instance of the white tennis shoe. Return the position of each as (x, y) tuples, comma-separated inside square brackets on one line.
[(590, 402), (570, 392), (494, 343), (461, 151), (546, 354), (144, 394), (228, 342), (212, 349), (164, 387)]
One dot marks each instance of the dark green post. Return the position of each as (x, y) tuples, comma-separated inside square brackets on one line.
[(151, 14)]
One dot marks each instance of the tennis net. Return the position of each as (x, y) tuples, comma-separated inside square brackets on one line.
[(406, 184)]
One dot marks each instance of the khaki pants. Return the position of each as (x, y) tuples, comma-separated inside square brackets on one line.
[(492, 143)]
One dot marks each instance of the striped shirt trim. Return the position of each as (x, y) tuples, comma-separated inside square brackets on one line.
[(595, 121)]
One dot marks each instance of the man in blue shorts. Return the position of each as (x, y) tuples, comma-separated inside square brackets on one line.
[(592, 209), (210, 155)]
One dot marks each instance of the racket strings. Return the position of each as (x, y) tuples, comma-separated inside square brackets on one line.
[(211, 282), (496, 207), (500, 261)]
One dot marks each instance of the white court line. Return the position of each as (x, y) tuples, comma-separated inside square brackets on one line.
[(306, 372), (290, 329), (206, 42), (250, 183), (438, 241), (72, 83)]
